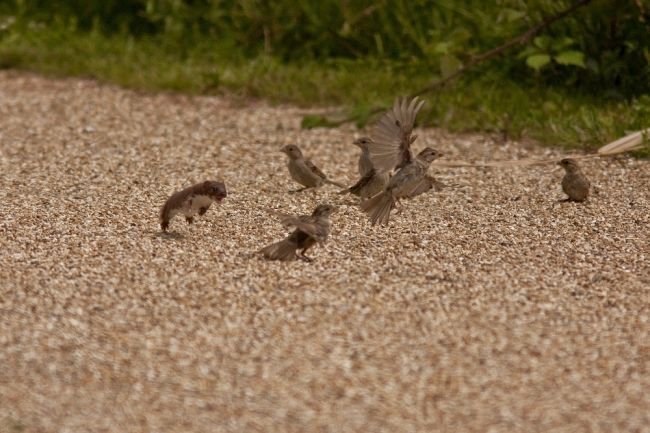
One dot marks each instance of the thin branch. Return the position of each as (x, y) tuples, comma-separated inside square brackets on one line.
[(521, 39)]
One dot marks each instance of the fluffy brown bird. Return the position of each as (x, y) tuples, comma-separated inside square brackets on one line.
[(365, 164), (303, 171), (574, 184), (191, 201), (409, 181), (372, 181), (309, 229)]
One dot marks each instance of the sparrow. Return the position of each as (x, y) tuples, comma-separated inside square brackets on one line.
[(574, 184), (303, 171), (309, 229), (191, 201), (410, 180), (365, 164), (372, 181)]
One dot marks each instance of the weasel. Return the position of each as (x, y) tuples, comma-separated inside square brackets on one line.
[(191, 201)]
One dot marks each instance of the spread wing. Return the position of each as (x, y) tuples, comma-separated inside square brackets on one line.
[(365, 180), (391, 136), (305, 223), (427, 183), (310, 165)]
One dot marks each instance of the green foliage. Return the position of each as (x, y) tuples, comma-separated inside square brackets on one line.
[(581, 82), (605, 45), (544, 49)]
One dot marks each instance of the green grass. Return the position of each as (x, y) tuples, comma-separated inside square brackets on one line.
[(480, 101)]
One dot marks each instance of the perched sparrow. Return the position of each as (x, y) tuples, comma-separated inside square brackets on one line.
[(309, 229), (372, 183), (303, 171), (574, 184), (409, 181), (365, 164), (390, 147), (190, 201)]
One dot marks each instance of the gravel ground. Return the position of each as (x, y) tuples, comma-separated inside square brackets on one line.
[(489, 307)]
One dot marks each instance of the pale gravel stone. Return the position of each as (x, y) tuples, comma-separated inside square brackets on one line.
[(487, 307)]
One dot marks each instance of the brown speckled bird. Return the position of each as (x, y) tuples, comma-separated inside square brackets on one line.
[(303, 171), (192, 201), (390, 148), (372, 181), (309, 229), (574, 184), (365, 164), (409, 181)]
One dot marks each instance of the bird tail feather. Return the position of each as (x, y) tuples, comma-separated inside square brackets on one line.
[(282, 250), (378, 208)]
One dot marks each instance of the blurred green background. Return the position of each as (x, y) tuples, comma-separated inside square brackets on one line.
[(579, 83)]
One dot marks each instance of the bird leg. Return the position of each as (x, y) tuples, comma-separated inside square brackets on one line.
[(399, 209), (302, 256)]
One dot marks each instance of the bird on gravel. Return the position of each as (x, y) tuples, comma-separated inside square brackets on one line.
[(409, 181), (390, 148), (303, 171), (309, 230), (372, 181), (365, 164), (191, 201), (574, 184)]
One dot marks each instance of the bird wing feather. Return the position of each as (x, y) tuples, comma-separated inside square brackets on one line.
[(317, 171), (305, 223), (391, 135)]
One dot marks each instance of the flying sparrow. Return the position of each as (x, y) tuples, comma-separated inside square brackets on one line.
[(309, 229), (409, 181)]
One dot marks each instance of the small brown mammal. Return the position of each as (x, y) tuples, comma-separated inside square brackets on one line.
[(303, 171), (309, 229), (574, 184), (191, 201)]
